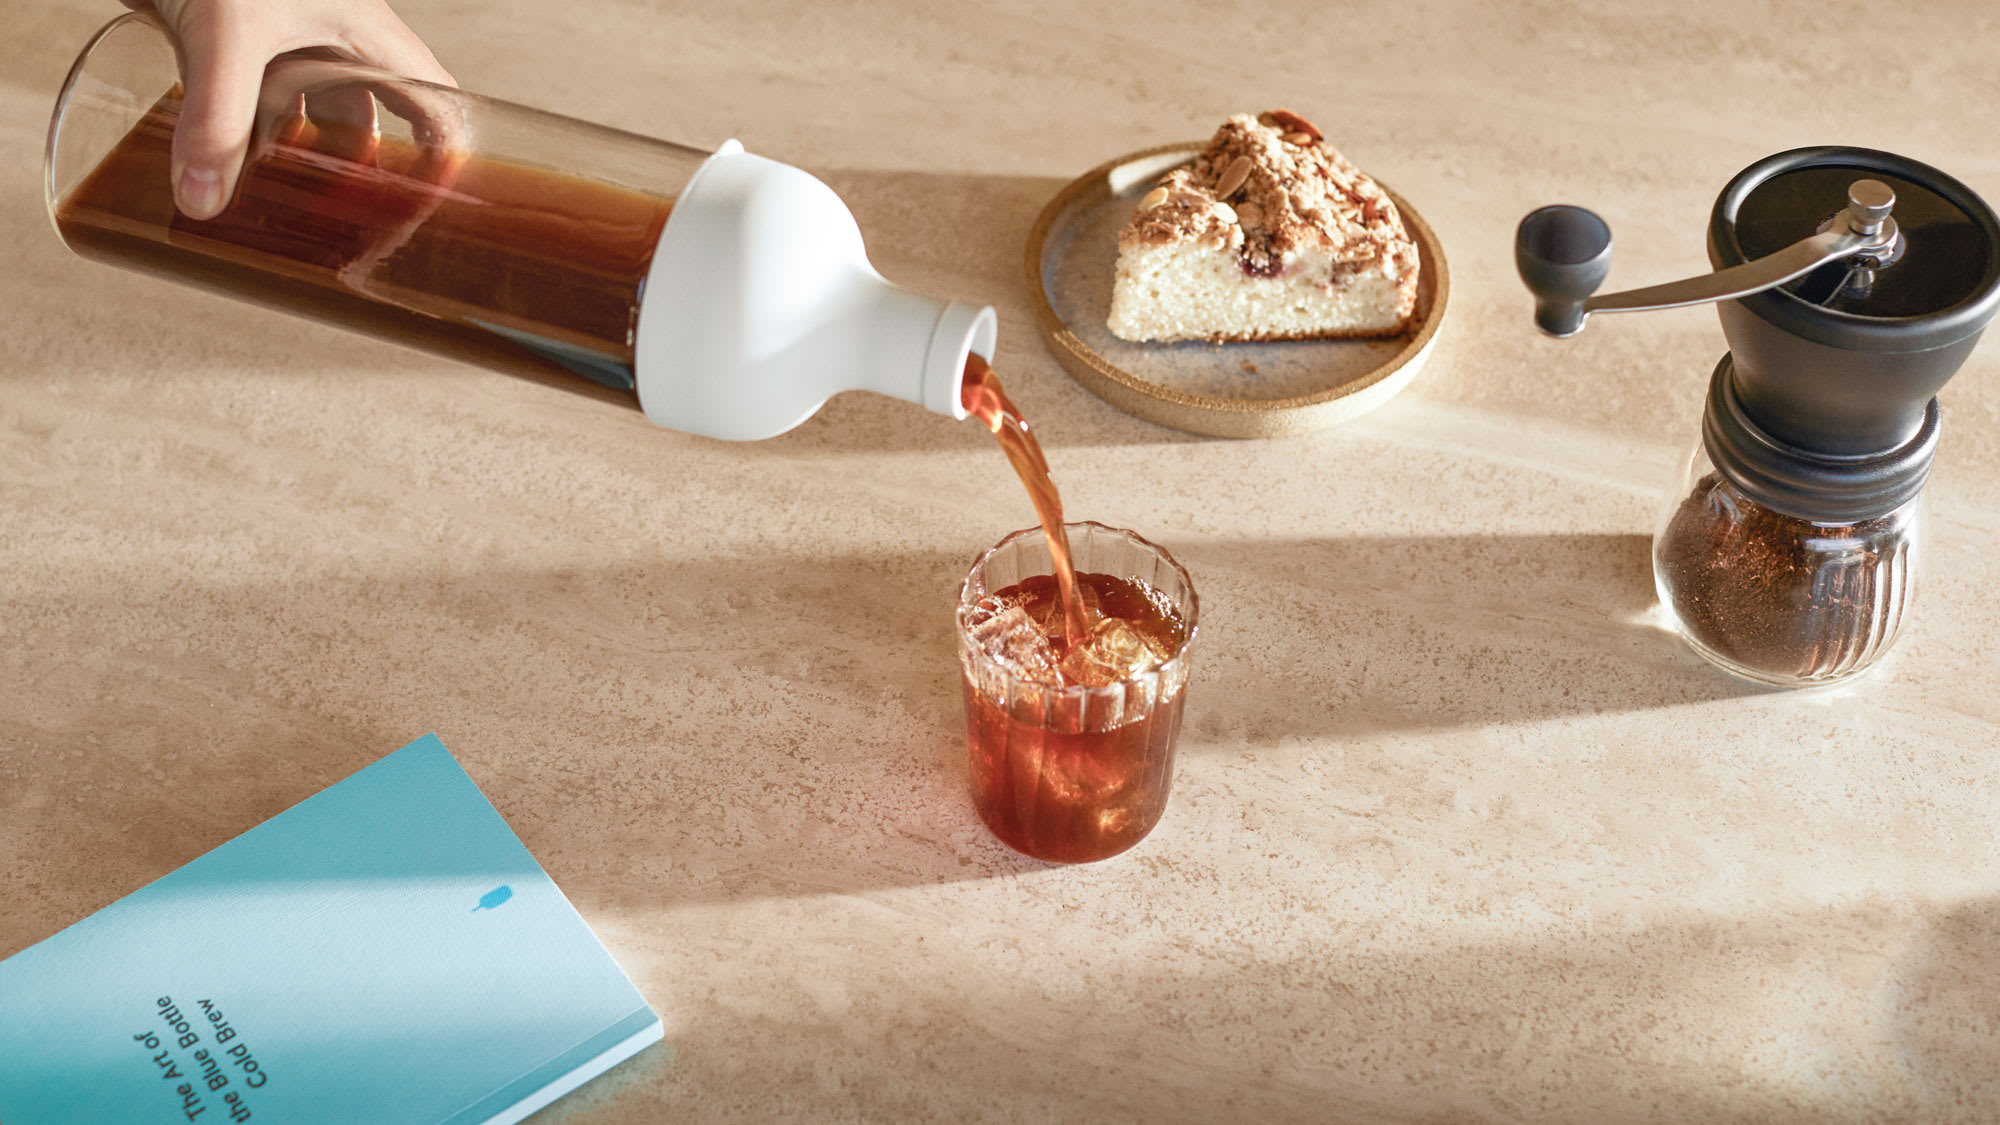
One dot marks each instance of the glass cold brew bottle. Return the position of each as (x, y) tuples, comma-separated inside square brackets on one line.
[(720, 292)]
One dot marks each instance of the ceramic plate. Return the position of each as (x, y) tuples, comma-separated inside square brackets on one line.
[(1228, 390)]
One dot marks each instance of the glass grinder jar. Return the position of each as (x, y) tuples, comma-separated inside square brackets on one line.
[(1851, 285)]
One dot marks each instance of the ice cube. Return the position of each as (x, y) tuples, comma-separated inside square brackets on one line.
[(1004, 631), (1115, 652), (1048, 610)]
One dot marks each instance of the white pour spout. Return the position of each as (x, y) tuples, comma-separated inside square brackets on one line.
[(760, 305)]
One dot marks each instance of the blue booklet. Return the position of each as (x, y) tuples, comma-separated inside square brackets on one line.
[(384, 951)]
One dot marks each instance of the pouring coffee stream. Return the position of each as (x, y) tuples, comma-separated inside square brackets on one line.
[(985, 400), (1851, 285)]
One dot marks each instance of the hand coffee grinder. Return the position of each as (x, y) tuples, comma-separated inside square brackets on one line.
[(1852, 284)]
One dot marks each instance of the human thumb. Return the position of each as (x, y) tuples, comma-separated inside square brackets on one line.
[(223, 67)]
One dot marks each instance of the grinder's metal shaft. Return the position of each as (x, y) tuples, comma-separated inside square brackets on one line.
[(1563, 253)]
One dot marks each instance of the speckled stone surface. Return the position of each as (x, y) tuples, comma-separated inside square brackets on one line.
[(1458, 834)]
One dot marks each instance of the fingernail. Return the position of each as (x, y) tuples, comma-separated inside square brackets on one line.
[(201, 192)]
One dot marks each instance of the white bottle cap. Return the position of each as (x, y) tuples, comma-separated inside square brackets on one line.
[(760, 304)]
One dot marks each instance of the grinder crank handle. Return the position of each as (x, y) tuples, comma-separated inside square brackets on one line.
[(1563, 253)]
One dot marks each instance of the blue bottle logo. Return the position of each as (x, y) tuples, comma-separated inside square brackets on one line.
[(494, 897)]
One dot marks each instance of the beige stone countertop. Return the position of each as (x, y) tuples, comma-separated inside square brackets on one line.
[(1458, 833)]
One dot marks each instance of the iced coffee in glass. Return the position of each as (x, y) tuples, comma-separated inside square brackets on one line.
[(1072, 738)]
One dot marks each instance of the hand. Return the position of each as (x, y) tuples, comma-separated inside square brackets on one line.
[(225, 45)]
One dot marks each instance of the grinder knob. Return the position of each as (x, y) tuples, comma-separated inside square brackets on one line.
[(1868, 203), (1562, 253)]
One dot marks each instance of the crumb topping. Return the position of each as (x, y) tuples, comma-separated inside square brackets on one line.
[(1270, 187)]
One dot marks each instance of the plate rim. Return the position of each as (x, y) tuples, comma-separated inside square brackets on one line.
[(1216, 415)]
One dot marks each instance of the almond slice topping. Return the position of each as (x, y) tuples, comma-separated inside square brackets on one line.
[(1233, 177), (1225, 212), (1153, 199), (1293, 123)]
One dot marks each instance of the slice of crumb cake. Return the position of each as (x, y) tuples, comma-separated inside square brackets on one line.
[(1269, 234)]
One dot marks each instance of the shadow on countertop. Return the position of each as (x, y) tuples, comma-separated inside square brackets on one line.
[(1940, 1001), (799, 715), (1299, 638), (1685, 1017), (1320, 638)]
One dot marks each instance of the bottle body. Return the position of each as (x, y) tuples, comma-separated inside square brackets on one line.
[(463, 225), (1775, 598), (722, 293)]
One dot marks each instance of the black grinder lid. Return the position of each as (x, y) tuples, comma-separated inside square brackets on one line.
[(1942, 287)]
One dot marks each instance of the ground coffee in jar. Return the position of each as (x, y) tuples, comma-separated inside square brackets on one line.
[(1780, 599)]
